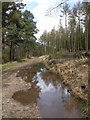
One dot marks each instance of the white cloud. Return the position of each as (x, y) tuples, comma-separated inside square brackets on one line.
[(43, 22), (27, 1)]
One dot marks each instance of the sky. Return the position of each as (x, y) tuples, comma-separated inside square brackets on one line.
[(39, 9)]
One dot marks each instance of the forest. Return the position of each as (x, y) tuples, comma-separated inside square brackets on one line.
[(45, 77), (75, 36), (18, 39), (19, 29)]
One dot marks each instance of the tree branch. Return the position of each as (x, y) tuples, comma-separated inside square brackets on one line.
[(50, 10)]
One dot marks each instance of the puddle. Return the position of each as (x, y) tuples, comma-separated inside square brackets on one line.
[(48, 92), (27, 97), (28, 72)]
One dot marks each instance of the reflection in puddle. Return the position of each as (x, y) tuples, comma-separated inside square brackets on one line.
[(49, 93)]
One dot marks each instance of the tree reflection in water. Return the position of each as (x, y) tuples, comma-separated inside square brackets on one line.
[(48, 91)]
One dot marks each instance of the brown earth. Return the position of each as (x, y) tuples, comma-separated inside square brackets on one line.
[(12, 84)]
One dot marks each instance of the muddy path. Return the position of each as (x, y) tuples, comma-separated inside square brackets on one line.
[(30, 62), (31, 91), (12, 84)]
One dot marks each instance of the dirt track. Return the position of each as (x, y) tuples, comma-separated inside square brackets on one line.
[(11, 84)]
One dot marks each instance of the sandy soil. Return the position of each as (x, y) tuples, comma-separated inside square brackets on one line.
[(11, 84)]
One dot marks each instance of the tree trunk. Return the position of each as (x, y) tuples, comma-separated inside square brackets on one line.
[(11, 51), (89, 33)]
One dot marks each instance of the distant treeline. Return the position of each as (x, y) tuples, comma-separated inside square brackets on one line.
[(76, 34)]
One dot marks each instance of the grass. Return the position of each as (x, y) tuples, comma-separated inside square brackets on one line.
[(82, 62), (84, 108), (63, 55), (11, 65)]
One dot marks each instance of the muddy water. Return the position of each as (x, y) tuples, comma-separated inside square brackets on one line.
[(47, 90)]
